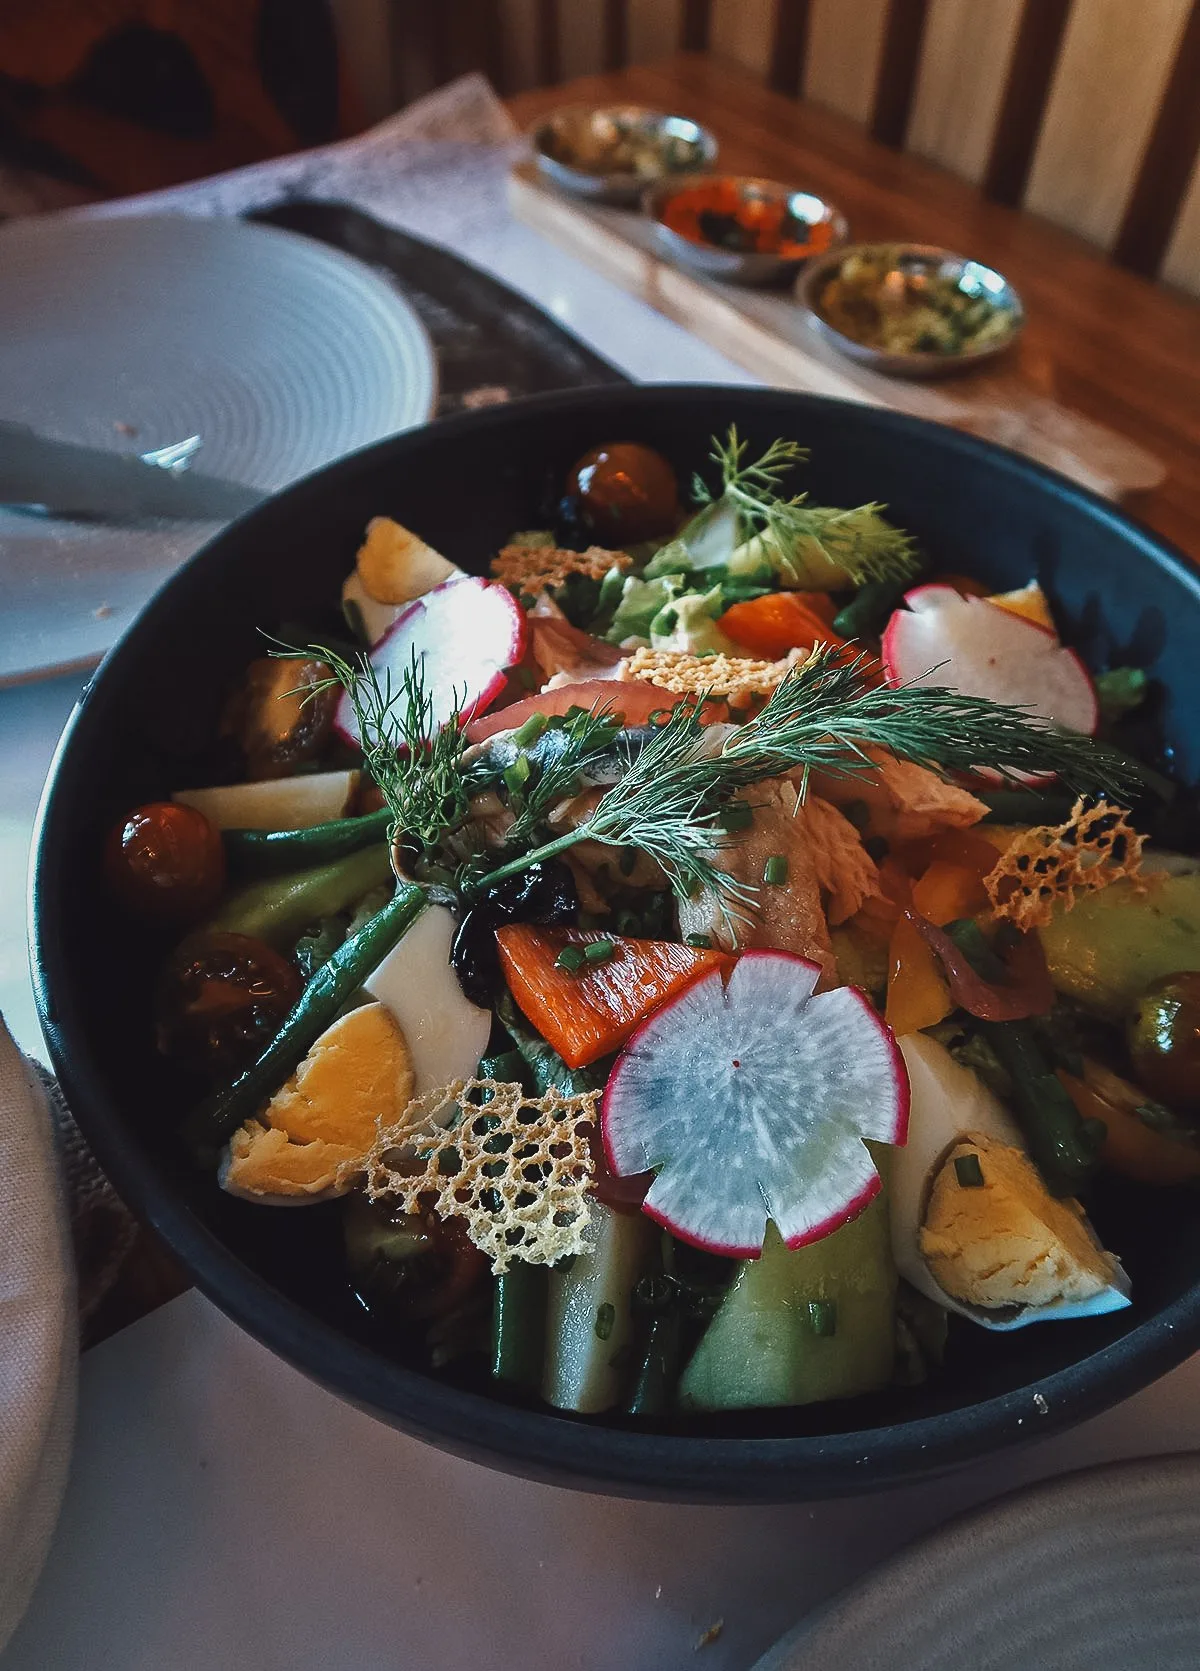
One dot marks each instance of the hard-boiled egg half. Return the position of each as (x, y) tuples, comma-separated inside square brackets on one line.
[(973, 1224), (418, 1032)]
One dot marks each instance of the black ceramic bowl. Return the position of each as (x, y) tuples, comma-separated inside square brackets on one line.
[(146, 724)]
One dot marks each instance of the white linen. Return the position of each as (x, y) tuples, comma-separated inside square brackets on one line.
[(38, 1350)]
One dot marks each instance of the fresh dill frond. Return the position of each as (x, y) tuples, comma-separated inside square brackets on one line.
[(415, 764), (557, 771), (828, 715), (760, 475), (794, 533)]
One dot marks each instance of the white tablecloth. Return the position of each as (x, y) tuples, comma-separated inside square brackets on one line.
[(223, 1513)]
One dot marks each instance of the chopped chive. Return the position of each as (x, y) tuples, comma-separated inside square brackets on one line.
[(702, 942), (775, 871), (598, 951), (822, 1317), (606, 1316), (529, 733), (627, 861), (516, 776), (968, 1171), (571, 957), (736, 816)]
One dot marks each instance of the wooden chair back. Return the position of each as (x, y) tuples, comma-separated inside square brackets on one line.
[(1086, 111)]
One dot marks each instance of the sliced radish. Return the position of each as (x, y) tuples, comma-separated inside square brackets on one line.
[(463, 635), (980, 648), (633, 699), (751, 1101)]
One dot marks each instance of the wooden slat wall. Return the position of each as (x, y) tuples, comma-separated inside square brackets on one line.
[(1086, 111), (963, 68), (845, 38), (519, 33), (1114, 64), (655, 29), (743, 30)]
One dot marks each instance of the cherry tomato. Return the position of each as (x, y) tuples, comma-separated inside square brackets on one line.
[(1164, 1041), (221, 1000), (166, 861), (626, 493), (279, 716)]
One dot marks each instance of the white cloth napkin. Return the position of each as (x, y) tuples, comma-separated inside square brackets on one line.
[(38, 1343)]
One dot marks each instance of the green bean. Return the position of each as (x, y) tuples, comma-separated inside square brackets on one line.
[(273, 852), (215, 1120), (1063, 1149), (519, 1325), (278, 909), (867, 612), (658, 1373)]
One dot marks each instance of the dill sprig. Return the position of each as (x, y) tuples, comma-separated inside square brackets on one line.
[(859, 541), (584, 736), (415, 763), (828, 715), (667, 804)]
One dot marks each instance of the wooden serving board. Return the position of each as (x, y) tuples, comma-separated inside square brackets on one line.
[(1009, 401)]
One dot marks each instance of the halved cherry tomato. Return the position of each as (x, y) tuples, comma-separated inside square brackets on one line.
[(166, 862), (221, 1000)]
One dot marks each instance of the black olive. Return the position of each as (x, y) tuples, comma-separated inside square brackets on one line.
[(545, 893)]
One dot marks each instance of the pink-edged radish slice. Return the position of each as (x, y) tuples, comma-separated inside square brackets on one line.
[(463, 635), (981, 649), (750, 1100), (636, 702)]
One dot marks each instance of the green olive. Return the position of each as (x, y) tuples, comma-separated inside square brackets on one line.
[(1164, 1040)]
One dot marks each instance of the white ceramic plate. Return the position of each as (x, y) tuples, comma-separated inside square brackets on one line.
[(132, 333), (1098, 1571)]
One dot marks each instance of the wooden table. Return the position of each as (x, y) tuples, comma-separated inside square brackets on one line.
[(1114, 346)]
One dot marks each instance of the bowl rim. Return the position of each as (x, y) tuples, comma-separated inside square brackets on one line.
[(538, 1443), (623, 180), (672, 185), (923, 360)]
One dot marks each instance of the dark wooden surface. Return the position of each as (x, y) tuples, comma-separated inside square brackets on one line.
[(1113, 345)]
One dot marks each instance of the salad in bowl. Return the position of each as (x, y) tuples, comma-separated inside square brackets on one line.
[(702, 960)]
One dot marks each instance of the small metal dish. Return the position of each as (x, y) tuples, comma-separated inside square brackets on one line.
[(907, 267), (613, 152), (714, 213)]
